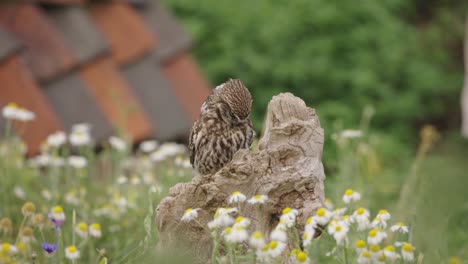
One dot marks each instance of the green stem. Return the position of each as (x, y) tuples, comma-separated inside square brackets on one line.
[(345, 255), (20, 229), (215, 248)]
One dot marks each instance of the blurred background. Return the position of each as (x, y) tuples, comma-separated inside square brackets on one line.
[(385, 77)]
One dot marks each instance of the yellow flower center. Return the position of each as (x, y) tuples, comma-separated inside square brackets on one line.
[(382, 257), (374, 248), (187, 210), (257, 235), (286, 210), (360, 211), (348, 192), (257, 197), (295, 251), (321, 212), (338, 228), (360, 244), (301, 257), (96, 226), (400, 224), (22, 246), (236, 193), (390, 248), (5, 223), (273, 244), (366, 254), (13, 105), (82, 227), (309, 220), (27, 232), (383, 211), (265, 247), (72, 249), (345, 217), (407, 247), (373, 233), (29, 208), (239, 219), (305, 236), (227, 230), (5, 247), (454, 260), (38, 218), (57, 210)]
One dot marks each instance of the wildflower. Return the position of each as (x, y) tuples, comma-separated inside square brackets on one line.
[(257, 240), (49, 248), (222, 218), (57, 216), (7, 249), (148, 146), (71, 252), (322, 216), (80, 137), (56, 139), (258, 199), (118, 143), (390, 253), (22, 247), (81, 230), (329, 204), (360, 246), (72, 198), (347, 220), (399, 227), (56, 162), (190, 214), (46, 194), (365, 257), (311, 224), (242, 221), (375, 250), (379, 223), (95, 230), (28, 209), (351, 196), (384, 215), (14, 112), (237, 197), (350, 133), (307, 237), (339, 230), (27, 234), (407, 252), (38, 220), (6, 226), (263, 255), (122, 180), (454, 260), (275, 248), (381, 259), (376, 236), (298, 256), (77, 162), (135, 180), (361, 216), (279, 234), (288, 216), (81, 127), (235, 234), (19, 192)]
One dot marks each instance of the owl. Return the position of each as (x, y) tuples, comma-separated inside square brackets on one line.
[(223, 127)]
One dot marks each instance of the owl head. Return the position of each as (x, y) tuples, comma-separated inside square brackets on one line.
[(236, 95)]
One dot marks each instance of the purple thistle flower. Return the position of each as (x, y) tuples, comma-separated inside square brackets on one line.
[(49, 248)]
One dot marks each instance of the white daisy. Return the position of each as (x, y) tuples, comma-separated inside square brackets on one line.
[(407, 252), (376, 236), (279, 234), (222, 218), (95, 230), (148, 146), (339, 212), (399, 227), (390, 253), (117, 143), (71, 252), (237, 197), (242, 221), (365, 257), (375, 251), (258, 199), (299, 257), (351, 196), (8, 249), (257, 240), (190, 214), (57, 139), (81, 230), (80, 137), (360, 246), (384, 215), (275, 248), (322, 216), (77, 162), (288, 217), (339, 230), (379, 223), (329, 204), (361, 216), (236, 234)]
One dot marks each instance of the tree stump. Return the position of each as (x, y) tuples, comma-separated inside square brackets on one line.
[(287, 168)]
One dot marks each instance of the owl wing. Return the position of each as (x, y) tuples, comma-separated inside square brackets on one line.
[(192, 138)]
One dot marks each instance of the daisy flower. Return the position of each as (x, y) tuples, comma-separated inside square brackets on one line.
[(190, 214), (307, 237), (310, 224), (27, 234), (57, 216), (390, 253), (95, 230), (257, 240), (361, 216), (6, 226), (235, 234), (329, 204), (117, 143), (381, 259), (288, 216), (298, 257), (379, 223), (351, 196), (57, 139), (399, 227), (258, 199), (365, 257), (8, 249), (222, 218), (322, 216), (148, 146), (77, 162), (71, 252), (376, 236), (339, 212), (81, 230), (360, 246), (279, 234), (242, 221), (80, 138), (339, 230), (384, 215), (275, 248), (28, 209), (237, 197), (407, 252)]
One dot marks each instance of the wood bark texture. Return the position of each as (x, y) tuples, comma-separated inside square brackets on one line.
[(464, 95), (287, 167)]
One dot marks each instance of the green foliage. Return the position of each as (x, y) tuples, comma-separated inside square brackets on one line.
[(339, 56)]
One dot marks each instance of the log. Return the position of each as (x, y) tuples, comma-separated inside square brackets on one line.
[(287, 167), (464, 95)]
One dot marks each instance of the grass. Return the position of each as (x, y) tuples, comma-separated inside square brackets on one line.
[(120, 189)]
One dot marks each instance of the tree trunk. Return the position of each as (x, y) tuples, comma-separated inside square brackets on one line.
[(464, 96), (287, 167)]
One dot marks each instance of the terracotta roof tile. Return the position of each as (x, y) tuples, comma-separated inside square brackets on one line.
[(158, 99), (189, 85), (18, 86), (124, 30), (113, 94), (172, 39), (45, 52), (78, 31), (74, 104)]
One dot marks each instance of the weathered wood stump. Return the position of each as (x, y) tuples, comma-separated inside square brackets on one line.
[(287, 167)]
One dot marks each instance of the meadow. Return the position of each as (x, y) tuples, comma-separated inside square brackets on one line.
[(75, 203)]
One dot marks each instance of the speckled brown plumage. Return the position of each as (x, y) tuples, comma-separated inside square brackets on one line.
[(222, 128)]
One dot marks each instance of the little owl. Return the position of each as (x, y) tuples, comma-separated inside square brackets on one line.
[(223, 127)]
